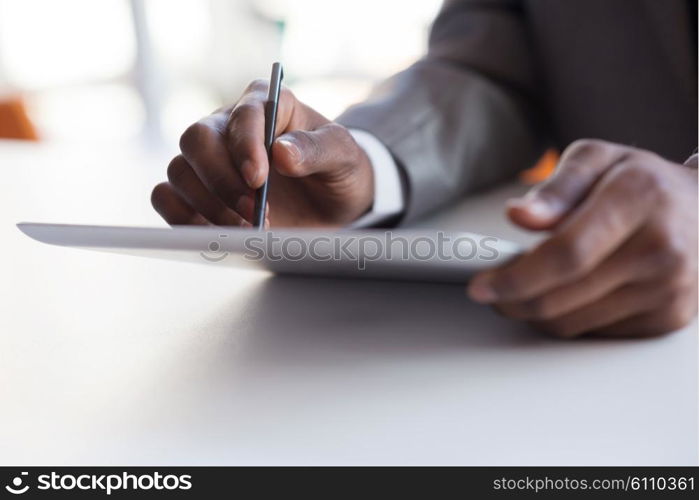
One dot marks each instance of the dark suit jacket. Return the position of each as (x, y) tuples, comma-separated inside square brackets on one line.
[(504, 79)]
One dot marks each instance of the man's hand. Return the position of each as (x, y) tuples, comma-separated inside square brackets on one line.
[(621, 259), (319, 175)]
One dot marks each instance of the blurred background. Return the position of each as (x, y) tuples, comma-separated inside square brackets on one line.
[(141, 70)]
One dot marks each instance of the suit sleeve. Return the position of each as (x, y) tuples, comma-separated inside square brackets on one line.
[(465, 116)]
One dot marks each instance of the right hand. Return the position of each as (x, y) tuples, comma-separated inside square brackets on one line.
[(319, 175)]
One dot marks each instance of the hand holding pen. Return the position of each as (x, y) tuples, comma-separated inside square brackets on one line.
[(313, 174)]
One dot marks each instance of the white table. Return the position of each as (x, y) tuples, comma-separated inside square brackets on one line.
[(110, 359)]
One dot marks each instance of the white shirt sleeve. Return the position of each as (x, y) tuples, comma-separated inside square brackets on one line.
[(388, 190)]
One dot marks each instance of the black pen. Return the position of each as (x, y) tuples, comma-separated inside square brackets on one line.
[(275, 84)]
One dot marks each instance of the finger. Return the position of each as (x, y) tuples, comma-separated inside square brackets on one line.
[(204, 148), (614, 210), (192, 190), (246, 207), (580, 166), (643, 325), (649, 324), (173, 208), (328, 150), (246, 126), (635, 262), (676, 311), (618, 306), (245, 140)]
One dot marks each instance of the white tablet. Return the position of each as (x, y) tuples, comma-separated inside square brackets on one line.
[(385, 254)]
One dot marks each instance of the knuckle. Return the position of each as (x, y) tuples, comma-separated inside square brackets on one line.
[(639, 176), (257, 85), (584, 147), (340, 133), (351, 152), (191, 138), (635, 176), (242, 110), (159, 195), (570, 256), (678, 314), (678, 261), (643, 156), (681, 281), (669, 253), (176, 169)]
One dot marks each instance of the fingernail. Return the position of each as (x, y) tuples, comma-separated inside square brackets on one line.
[(540, 208), (293, 149), (249, 172), (481, 291)]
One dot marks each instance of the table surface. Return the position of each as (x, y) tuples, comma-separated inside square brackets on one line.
[(111, 359)]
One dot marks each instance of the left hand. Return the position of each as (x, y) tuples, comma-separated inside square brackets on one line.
[(621, 259)]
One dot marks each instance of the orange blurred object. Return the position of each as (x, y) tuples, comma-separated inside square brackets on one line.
[(14, 121), (543, 168)]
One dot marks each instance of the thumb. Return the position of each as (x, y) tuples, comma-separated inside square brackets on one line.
[(326, 150), (580, 167)]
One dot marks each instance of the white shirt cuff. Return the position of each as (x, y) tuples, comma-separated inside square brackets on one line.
[(388, 190)]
